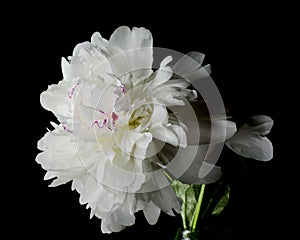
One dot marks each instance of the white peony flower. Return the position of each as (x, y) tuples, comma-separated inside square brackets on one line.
[(113, 118), (122, 125)]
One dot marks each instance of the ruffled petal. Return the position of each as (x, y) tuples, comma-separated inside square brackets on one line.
[(122, 217), (109, 224), (131, 50), (74, 70), (56, 100), (98, 41), (125, 39)]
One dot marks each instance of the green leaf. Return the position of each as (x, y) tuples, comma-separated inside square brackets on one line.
[(189, 202), (222, 203), (180, 189)]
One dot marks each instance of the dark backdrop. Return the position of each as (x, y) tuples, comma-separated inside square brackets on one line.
[(245, 46)]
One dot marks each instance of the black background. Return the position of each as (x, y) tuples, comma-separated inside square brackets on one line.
[(247, 47)]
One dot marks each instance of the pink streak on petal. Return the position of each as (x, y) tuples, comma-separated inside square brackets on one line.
[(66, 129), (102, 112), (100, 125), (114, 117), (71, 93)]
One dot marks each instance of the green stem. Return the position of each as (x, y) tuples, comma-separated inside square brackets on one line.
[(198, 207), (168, 176), (183, 216)]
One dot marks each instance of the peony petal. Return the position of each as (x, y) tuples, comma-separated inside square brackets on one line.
[(55, 99), (108, 200), (59, 181), (168, 95), (49, 175), (164, 134), (151, 212), (222, 130), (166, 200), (207, 68), (159, 115), (81, 46), (109, 225), (162, 75), (123, 180), (197, 75), (188, 63), (90, 191), (126, 39), (74, 70), (123, 216), (131, 50), (250, 142), (197, 56), (181, 135), (98, 41), (126, 180), (200, 171), (210, 173), (124, 139), (261, 123), (177, 83), (166, 61)]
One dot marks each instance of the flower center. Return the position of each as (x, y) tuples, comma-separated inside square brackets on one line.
[(141, 116)]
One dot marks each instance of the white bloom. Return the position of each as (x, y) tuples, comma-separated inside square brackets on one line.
[(113, 118)]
